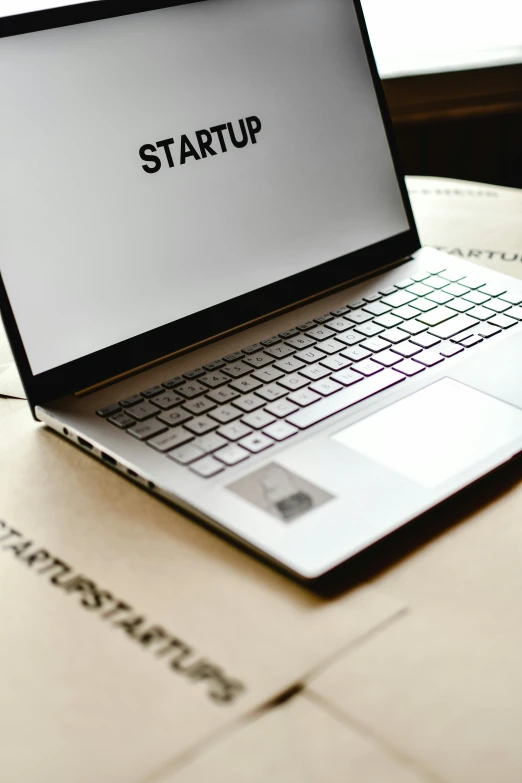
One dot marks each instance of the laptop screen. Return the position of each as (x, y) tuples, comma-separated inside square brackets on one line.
[(156, 164)]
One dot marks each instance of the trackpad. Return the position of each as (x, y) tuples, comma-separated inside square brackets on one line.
[(435, 433)]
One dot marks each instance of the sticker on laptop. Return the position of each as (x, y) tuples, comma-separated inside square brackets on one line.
[(280, 492)]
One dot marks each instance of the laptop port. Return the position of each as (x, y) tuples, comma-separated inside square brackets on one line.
[(84, 443), (108, 459), (132, 473)]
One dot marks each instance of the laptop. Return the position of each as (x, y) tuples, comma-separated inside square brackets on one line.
[(212, 282)]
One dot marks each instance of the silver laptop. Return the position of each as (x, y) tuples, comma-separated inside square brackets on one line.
[(212, 279)]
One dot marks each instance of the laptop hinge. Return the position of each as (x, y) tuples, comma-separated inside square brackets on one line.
[(241, 327)]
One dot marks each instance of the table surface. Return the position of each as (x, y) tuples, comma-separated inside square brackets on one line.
[(413, 677)]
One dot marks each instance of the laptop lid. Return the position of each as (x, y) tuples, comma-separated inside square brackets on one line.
[(173, 171)]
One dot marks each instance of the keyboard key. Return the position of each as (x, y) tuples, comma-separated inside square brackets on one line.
[(436, 316), (211, 442), (435, 268), (293, 381), (143, 410), (315, 372), (453, 326), (473, 339), (356, 303), (287, 365), (439, 297), (394, 336), (406, 349), (398, 299), (409, 367), (493, 289), (223, 394), (234, 431), (449, 349), (233, 357), (199, 406), (272, 392), (129, 401), (173, 382), (269, 374), (452, 275), (214, 379), (455, 289), (231, 455), (340, 310), (193, 374), (367, 367), (482, 313), (503, 321), (174, 417), (171, 439), (487, 330), (251, 402), (369, 329), (387, 290), (154, 390), (497, 305), (476, 297), (121, 420), (326, 387), (357, 353), (258, 420), (323, 319), (371, 297), (404, 283), (413, 327), (306, 326), (351, 337), (346, 377), (329, 346), (407, 312), (279, 351), (460, 305), (146, 429), (310, 355), (340, 325), (289, 333), (436, 282), (424, 305), (186, 454), (514, 312), (271, 341), (388, 321), (359, 317), (246, 384), (252, 348), (304, 397), (375, 344), (281, 408), (420, 289), (281, 430), (513, 297), (259, 360), (300, 341), (472, 282), (215, 365), (167, 400), (429, 358), (201, 425), (328, 406), (387, 358), (237, 369), (225, 414), (425, 340), (377, 308), (320, 333), (191, 389), (336, 362), (256, 442), (206, 467), (109, 410)]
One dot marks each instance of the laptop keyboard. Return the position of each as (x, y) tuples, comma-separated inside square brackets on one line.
[(220, 415)]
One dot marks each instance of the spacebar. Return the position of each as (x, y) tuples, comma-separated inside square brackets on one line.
[(343, 399)]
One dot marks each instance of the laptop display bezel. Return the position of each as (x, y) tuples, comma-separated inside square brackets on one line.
[(183, 334)]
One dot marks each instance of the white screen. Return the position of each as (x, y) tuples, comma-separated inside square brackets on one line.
[(95, 250)]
